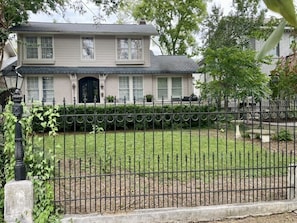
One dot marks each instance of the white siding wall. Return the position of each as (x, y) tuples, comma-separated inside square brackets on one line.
[(284, 50)]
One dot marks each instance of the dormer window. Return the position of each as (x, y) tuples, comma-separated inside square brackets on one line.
[(87, 48), (39, 48), (130, 50)]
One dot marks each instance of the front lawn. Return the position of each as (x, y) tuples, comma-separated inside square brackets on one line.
[(178, 152)]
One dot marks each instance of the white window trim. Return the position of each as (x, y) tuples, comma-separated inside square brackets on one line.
[(169, 87), (129, 61), (81, 48), (40, 89), (38, 60), (130, 86)]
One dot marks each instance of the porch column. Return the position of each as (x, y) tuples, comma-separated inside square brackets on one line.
[(102, 79), (73, 81)]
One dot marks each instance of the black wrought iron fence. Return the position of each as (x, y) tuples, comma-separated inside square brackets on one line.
[(119, 157)]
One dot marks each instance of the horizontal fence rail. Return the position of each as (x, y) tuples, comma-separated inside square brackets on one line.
[(119, 157)]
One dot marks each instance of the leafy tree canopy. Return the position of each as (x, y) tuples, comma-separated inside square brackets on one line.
[(235, 74), (177, 22), (283, 81), (15, 12), (245, 21), (229, 62)]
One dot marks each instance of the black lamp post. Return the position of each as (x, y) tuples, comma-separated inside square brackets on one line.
[(14, 81)]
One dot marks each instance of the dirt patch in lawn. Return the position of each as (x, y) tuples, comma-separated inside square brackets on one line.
[(86, 191)]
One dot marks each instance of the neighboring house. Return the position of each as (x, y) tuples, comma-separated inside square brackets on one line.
[(9, 55), (282, 49), (8, 60), (86, 61)]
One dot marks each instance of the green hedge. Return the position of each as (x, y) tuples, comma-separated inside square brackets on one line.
[(132, 117)]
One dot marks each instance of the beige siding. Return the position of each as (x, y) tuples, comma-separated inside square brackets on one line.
[(67, 51), (112, 85), (62, 89), (149, 84)]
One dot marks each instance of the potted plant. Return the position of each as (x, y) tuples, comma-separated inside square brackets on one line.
[(149, 98), (110, 98)]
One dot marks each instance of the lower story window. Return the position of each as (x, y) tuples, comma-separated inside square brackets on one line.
[(169, 87), (131, 87), (40, 89)]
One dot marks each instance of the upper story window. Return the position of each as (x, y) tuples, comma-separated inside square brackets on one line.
[(130, 49), (39, 48), (87, 48)]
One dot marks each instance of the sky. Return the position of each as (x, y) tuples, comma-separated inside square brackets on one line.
[(92, 10)]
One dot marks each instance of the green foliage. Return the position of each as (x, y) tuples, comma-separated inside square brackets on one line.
[(284, 135), (39, 162), (283, 78), (16, 12), (110, 98), (286, 9), (138, 117), (2, 204), (234, 73), (149, 97), (205, 149), (243, 23), (229, 64), (176, 21), (272, 41)]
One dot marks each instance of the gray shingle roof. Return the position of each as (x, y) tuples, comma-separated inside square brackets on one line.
[(159, 65), (86, 28)]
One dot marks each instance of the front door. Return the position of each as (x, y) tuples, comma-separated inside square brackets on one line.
[(89, 90)]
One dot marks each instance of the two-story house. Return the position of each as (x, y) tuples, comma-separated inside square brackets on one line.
[(282, 49), (84, 62)]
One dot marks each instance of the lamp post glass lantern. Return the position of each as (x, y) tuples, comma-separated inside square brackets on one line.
[(13, 81)]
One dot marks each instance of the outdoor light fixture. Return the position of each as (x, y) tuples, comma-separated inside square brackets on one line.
[(14, 81)]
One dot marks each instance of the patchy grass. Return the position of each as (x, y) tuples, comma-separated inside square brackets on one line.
[(182, 153)]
